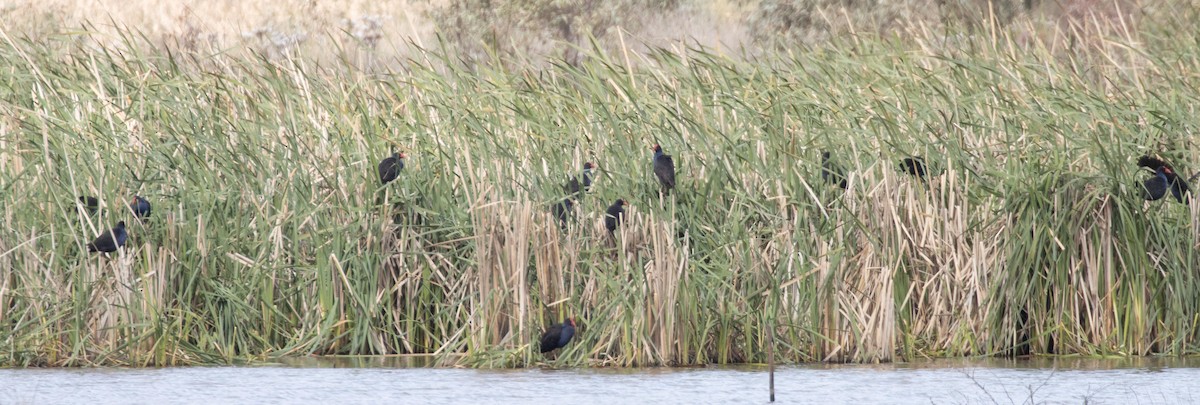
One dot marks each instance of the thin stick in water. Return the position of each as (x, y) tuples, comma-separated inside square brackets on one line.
[(771, 360)]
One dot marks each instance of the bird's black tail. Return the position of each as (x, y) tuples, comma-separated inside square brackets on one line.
[(1151, 162)]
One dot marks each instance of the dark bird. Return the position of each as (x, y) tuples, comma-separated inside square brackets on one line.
[(558, 335), (587, 176), (615, 215), (90, 204), (1155, 187), (664, 168), (110, 240), (572, 188), (1178, 186), (140, 207), (830, 171), (1151, 162), (390, 168), (562, 212), (914, 166)]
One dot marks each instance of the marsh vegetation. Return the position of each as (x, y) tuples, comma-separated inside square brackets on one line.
[(271, 235)]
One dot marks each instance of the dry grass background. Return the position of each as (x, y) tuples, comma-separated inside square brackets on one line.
[(385, 31)]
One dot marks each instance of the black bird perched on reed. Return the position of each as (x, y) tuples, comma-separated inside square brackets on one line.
[(90, 204), (1178, 186), (140, 207), (562, 211), (913, 165), (664, 169), (110, 240), (615, 215), (1155, 187), (830, 171), (390, 167), (572, 188), (558, 336), (587, 176)]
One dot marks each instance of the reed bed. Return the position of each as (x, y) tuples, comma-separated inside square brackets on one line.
[(272, 237)]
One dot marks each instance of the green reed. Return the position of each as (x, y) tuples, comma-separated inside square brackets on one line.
[(271, 235)]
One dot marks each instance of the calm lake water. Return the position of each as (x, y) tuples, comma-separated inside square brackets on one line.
[(1125, 381)]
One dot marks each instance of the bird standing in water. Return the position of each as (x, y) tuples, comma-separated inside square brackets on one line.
[(664, 169), (557, 336), (140, 207), (830, 171), (390, 167), (615, 215), (110, 240)]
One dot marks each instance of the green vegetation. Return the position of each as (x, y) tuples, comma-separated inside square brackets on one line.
[(272, 237)]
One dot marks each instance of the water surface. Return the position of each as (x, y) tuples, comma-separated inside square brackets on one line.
[(1125, 381)]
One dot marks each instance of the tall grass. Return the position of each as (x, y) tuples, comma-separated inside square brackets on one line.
[(271, 235)]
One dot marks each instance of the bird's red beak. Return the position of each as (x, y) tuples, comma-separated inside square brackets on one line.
[(402, 155), (1167, 169)]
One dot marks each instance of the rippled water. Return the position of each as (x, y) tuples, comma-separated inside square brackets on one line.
[(1143, 381)]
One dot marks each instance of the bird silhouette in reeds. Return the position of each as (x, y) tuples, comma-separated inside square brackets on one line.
[(390, 167), (615, 215), (110, 240), (557, 336), (90, 205), (831, 172), (140, 207), (1156, 186), (1164, 179), (573, 187), (914, 166), (562, 212), (664, 169)]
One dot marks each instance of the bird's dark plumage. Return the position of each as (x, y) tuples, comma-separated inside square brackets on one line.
[(390, 167), (110, 240), (90, 204), (562, 212), (558, 335), (573, 188), (140, 207), (1155, 187), (1151, 162), (914, 166), (587, 176), (1164, 174), (830, 171), (615, 215), (664, 168), (1179, 186)]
